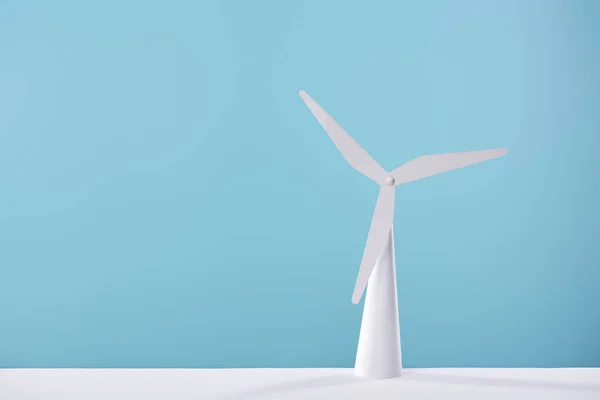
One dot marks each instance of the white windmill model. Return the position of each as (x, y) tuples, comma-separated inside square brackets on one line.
[(379, 353)]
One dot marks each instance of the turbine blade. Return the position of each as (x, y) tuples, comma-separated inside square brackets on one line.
[(356, 156), (425, 166), (382, 222)]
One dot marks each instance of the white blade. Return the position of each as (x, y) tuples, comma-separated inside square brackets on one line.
[(356, 156), (425, 166), (382, 221)]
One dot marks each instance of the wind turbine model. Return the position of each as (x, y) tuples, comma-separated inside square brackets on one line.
[(379, 354)]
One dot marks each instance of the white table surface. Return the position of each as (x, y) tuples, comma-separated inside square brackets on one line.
[(196, 384)]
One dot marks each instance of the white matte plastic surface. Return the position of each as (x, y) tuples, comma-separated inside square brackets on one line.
[(383, 219), (356, 156), (426, 166), (299, 384), (379, 352)]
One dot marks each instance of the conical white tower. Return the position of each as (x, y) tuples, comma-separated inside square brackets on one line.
[(379, 353)]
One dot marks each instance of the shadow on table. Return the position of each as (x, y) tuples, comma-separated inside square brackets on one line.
[(417, 377), (429, 377), (298, 384)]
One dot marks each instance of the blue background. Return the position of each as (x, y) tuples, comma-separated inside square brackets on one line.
[(167, 200)]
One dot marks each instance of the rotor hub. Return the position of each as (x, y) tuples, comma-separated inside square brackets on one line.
[(390, 181)]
